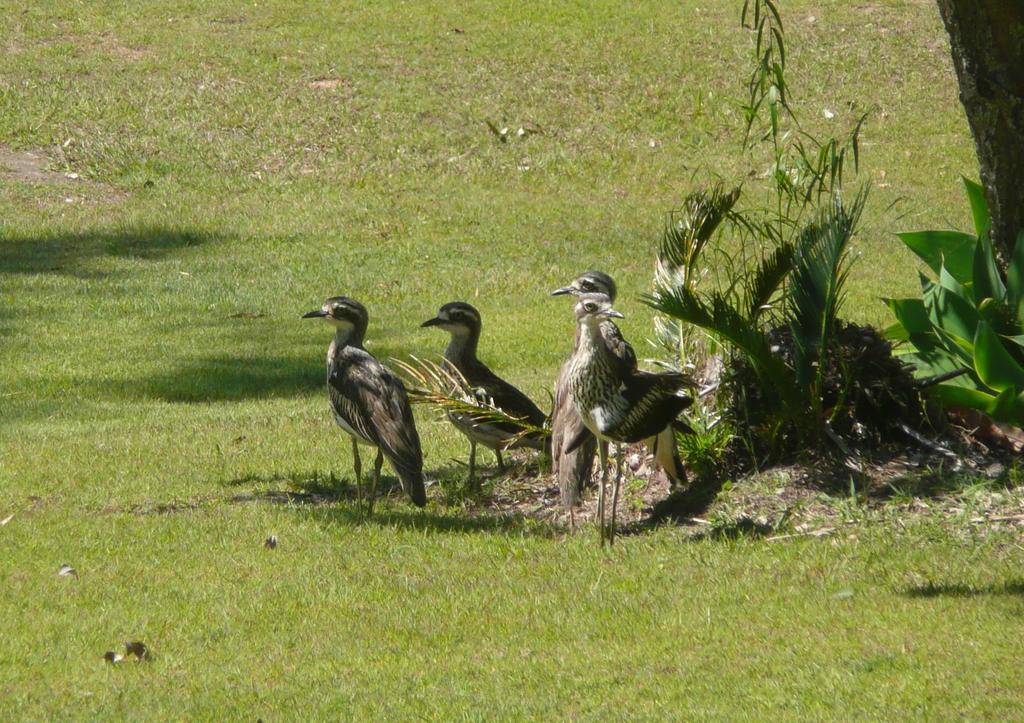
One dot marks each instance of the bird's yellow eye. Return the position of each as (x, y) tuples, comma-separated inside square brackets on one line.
[(586, 285), (590, 306)]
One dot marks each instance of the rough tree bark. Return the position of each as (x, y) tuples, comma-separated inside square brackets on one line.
[(987, 42)]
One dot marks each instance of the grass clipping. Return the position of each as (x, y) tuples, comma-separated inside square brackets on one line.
[(443, 387)]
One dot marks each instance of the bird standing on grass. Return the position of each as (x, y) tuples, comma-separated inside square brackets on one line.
[(462, 322), (574, 469), (369, 401), (615, 401)]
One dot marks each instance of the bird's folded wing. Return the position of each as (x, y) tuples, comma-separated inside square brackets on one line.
[(509, 399), (373, 400), (641, 386)]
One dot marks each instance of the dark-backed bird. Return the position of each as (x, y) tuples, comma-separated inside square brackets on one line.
[(616, 401), (369, 401), (462, 322), (574, 469)]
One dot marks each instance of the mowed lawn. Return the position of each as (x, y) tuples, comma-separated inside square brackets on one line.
[(238, 162)]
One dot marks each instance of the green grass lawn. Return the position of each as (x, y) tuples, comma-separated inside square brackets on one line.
[(241, 160)]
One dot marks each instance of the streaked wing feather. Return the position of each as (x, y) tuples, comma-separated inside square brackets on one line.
[(374, 402), (505, 396)]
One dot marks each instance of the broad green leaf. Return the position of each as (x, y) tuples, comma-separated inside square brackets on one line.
[(963, 396), (1017, 339), (912, 324), (979, 207), (995, 367), (911, 314), (936, 362), (956, 346), (988, 282), (952, 314), (953, 248), (896, 332), (950, 282), (1015, 276), (1007, 406)]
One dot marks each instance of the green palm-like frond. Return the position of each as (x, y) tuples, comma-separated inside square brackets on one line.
[(690, 229), (725, 323), (764, 283), (443, 387), (816, 284)]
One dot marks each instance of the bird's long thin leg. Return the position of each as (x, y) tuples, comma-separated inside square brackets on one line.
[(472, 463), (615, 493), (603, 450), (501, 462), (358, 467), (377, 464)]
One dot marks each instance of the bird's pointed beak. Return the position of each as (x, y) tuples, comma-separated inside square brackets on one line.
[(561, 291), (612, 313), (315, 314), (431, 322)]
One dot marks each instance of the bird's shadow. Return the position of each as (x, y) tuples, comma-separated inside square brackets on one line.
[(686, 503), (333, 501)]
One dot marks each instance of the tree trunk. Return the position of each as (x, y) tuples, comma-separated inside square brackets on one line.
[(987, 41)]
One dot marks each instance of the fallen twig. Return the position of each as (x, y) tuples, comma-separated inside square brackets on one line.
[(933, 446), (850, 458), (812, 533), (940, 378)]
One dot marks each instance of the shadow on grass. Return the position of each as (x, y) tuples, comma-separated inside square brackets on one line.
[(229, 377), (332, 501), (431, 521), (683, 504), (743, 528), (238, 376), (962, 590), (70, 253)]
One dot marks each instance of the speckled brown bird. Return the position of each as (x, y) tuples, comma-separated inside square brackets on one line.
[(574, 469), (616, 401)]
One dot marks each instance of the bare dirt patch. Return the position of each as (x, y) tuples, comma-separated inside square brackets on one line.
[(36, 166), (30, 166), (110, 45), (814, 499), (325, 83)]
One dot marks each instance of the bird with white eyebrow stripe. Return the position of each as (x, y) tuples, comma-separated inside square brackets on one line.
[(369, 401), (616, 401), (462, 321), (574, 469)]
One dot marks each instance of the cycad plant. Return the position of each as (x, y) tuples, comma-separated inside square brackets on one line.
[(781, 322), (797, 373)]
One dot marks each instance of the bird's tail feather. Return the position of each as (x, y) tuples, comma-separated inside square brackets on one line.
[(666, 455), (412, 483), (575, 469)]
